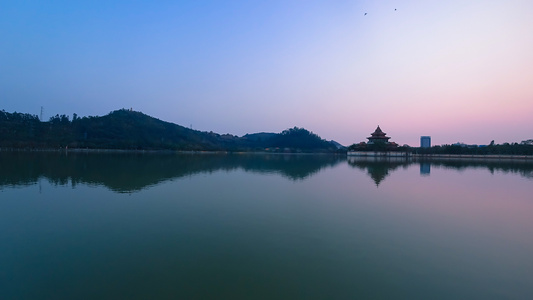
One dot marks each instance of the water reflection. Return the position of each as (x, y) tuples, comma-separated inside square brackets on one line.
[(244, 232), (379, 168), (127, 173), (130, 172), (425, 168), (523, 168)]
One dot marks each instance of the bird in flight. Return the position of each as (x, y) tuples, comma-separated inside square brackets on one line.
[(365, 14)]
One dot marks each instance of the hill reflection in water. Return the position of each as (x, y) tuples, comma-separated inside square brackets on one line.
[(131, 172)]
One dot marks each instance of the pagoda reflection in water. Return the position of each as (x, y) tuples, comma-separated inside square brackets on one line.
[(378, 168)]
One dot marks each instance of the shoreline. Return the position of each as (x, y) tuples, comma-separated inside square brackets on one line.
[(407, 155), (475, 156), (94, 150), (358, 154)]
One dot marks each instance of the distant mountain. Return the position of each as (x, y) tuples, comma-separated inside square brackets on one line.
[(134, 130), (300, 138), (259, 137), (126, 129), (339, 146)]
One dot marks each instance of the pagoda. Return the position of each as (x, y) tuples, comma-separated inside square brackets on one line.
[(378, 137)]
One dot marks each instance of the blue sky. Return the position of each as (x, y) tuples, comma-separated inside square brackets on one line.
[(454, 70)]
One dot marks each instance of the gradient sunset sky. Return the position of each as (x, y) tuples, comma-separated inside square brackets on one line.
[(459, 71)]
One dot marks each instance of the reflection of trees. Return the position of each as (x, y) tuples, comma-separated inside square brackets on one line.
[(127, 172), (378, 168), (522, 167)]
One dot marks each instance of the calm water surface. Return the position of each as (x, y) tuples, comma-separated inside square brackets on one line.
[(131, 226)]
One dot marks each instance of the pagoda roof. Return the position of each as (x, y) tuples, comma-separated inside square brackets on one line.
[(378, 134)]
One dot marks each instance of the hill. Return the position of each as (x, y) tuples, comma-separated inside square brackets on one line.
[(126, 129)]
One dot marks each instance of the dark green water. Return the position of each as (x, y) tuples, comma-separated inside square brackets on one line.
[(262, 227)]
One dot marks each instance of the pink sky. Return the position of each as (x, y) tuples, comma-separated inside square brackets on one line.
[(459, 71)]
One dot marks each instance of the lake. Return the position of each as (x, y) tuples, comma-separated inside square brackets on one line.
[(250, 226)]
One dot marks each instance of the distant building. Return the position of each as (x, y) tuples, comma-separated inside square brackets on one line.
[(378, 145), (378, 136), (425, 141)]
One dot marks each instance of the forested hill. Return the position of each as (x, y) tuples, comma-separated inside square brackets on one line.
[(125, 129)]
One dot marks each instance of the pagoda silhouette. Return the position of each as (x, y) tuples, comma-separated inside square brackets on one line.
[(378, 136), (377, 141)]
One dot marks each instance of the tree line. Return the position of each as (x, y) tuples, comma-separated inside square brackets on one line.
[(492, 149), (131, 130)]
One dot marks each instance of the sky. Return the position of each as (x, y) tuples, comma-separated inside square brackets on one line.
[(458, 71)]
